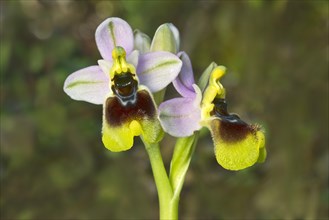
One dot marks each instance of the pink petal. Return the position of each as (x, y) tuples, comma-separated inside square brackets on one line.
[(89, 84), (180, 117), (184, 81), (114, 32), (158, 69)]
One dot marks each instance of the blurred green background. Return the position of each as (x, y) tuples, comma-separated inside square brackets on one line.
[(54, 165)]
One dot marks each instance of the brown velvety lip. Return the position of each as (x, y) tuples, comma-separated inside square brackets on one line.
[(232, 132), (117, 114), (229, 127)]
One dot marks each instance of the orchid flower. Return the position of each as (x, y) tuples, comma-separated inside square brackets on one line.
[(122, 82), (129, 81), (238, 145)]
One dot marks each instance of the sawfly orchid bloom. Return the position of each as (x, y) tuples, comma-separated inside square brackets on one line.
[(237, 144), (123, 82)]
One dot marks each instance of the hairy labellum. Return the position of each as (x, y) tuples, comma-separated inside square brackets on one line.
[(117, 114), (229, 127)]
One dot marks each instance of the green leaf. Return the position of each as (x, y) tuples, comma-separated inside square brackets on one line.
[(180, 162)]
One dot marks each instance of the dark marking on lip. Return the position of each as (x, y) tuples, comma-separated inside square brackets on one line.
[(231, 132), (117, 114), (125, 87), (229, 127)]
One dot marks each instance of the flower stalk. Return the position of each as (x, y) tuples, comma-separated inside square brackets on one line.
[(169, 188), (168, 209)]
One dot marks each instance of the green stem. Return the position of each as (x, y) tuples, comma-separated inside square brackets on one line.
[(180, 163), (168, 208), (169, 188)]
